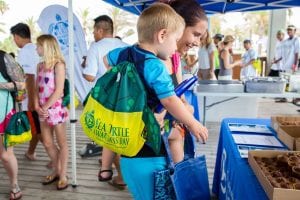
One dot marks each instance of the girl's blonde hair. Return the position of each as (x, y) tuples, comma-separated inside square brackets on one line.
[(206, 41), (156, 17), (51, 49)]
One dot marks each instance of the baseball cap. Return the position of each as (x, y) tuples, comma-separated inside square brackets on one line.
[(247, 41), (291, 27), (280, 31), (218, 36)]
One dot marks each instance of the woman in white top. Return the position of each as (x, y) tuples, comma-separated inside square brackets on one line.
[(206, 59), (277, 64)]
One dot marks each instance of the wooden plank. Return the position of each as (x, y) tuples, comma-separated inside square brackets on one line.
[(31, 173)]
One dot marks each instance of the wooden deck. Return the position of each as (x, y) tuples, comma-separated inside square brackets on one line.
[(31, 173)]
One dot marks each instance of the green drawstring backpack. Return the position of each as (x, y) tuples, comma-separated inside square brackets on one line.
[(116, 115), (18, 129)]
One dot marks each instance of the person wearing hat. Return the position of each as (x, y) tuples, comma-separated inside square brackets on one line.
[(291, 50), (291, 53), (217, 39), (226, 60), (277, 64), (248, 59)]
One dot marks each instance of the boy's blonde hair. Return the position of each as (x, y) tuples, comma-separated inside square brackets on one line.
[(52, 52), (156, 17)]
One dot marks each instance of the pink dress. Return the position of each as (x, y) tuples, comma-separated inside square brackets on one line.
[(46, 84)]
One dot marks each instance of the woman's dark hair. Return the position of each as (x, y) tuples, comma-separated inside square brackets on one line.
[(4, 72), (3, 66), (189, 10)]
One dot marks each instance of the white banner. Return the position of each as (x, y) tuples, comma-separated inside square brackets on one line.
[(54, 20)]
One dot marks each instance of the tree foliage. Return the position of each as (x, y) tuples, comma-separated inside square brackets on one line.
[(124, 22), (87, 23), (34, 29), (3, 6), (8, 45)]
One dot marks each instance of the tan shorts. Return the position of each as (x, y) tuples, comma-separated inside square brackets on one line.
[(204, 74)]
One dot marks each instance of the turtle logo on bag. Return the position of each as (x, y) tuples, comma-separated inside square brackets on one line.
[(89, 119)]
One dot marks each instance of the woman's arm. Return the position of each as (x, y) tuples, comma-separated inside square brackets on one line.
[(211, 62), (226, 57), (10, 86), (42, 113), (60, 74), (36, 92)]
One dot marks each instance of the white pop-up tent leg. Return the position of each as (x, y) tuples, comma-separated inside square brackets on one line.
[(72, 92)]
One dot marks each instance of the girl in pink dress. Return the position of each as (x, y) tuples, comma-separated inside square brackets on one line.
[(48, 104)]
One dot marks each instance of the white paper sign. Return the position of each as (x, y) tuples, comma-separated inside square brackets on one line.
[(263, 140), (252, 128)]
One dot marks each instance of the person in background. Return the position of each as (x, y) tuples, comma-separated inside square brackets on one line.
[(28, 59), (217, 39), (104, 42), (158, 32), (94, 69), (226, 60), (291, 47), (206, 59), (48, 103), (248, 58), (277, 63), (188, 63), (7, 156), (291, 50)]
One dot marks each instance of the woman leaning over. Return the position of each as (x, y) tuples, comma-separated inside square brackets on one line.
[(226, 60), (7, 156)]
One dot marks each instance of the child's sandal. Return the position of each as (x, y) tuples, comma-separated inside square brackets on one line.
[(15, 193), (50, 179), (62, 184)]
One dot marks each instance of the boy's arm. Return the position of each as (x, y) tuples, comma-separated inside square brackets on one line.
[(177, 109)]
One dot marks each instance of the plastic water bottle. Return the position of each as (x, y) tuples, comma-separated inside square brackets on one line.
[(179, 90)]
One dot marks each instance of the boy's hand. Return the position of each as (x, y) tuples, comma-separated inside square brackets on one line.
[(160, 118), (199, 131)]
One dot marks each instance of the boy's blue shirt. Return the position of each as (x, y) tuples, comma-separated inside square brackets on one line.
[(154, 71)]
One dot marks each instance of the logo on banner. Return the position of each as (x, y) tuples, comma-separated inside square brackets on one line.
[(60, 30), (225, 181)]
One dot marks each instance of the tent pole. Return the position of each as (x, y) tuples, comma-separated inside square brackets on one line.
[(72, 91)]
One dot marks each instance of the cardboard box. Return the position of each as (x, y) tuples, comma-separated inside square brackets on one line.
[(272, 193), (288, 135), (285, 120)]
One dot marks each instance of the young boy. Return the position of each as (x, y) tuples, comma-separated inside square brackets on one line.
[(159, 28)]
